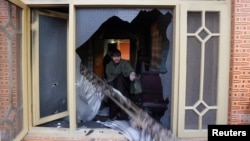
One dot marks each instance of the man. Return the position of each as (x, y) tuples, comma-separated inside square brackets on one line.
[(119, 74)]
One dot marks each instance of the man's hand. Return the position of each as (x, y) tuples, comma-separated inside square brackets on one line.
[(132, 76)]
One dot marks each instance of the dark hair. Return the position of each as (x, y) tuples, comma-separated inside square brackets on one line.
[(115, 52)]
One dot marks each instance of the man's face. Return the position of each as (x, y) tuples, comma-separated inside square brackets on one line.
[(116, 59)]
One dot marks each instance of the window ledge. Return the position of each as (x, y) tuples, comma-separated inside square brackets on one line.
[(48, 133)]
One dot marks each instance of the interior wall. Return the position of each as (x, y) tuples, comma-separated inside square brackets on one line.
[(125, 49)]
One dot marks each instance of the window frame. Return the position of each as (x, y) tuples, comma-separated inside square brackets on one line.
[(35, 62), (25, 67), (71, 53), (223, 65)]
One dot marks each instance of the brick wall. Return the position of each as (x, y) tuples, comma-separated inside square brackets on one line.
[(239, 96)]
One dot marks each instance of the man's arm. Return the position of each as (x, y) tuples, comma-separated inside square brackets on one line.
[(128, 71)]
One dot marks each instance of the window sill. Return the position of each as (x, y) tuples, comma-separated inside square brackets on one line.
[(59, 134)]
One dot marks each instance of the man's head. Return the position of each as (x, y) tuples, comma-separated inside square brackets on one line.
[(115, 55)]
